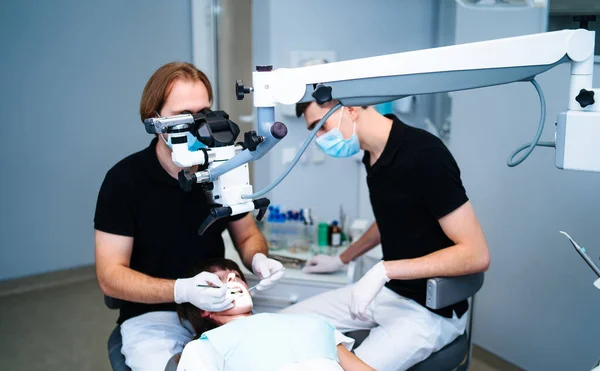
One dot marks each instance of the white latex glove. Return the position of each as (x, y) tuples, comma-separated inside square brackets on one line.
[(269, 271), (323, 264), (365, 290), (210, 299)]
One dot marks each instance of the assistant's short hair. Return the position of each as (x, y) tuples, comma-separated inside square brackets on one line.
[(301, 107)]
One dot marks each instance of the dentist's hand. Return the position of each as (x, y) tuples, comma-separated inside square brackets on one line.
[(323, 264), (365, 290), (269, 271), (206, 298)]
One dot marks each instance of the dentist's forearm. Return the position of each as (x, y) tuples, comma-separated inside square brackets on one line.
[(366, 242), (453, 261), (124, 283), (247, 239), (250, 247)]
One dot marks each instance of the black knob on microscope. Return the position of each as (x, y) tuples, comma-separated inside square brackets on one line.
[(585, 98), (279, 130), (584, 20), (252, 140), (186, 180), (241, 90), (322, 94)]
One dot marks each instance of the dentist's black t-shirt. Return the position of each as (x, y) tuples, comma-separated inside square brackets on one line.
[(139, 199), (413, 184)]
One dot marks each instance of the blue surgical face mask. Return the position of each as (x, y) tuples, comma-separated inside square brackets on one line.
[(334, 144), (193, 143)]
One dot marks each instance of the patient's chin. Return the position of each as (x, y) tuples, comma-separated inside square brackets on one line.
[(241, 305)]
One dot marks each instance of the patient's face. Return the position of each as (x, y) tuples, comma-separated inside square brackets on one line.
[(243, 301)]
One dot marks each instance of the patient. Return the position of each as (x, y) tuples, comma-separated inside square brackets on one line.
[(236, 339)]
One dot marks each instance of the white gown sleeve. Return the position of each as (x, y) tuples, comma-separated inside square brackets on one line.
[(340, 338), (200, 355)]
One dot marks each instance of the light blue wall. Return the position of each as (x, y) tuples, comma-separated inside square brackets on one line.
[(538, 308), (353, 29), (72, 76)]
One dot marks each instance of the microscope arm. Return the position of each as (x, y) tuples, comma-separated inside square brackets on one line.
[(383, 78), (373, 80)]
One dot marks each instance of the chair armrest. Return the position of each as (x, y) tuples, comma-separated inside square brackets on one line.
[(112, 303), (173, 362), (445, 291)]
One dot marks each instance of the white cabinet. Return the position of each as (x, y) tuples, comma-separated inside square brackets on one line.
[(294, 287), (288, 292)]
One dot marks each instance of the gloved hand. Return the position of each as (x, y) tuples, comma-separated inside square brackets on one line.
[(269, 271), (323, 264), (365, 290), (205, 298)]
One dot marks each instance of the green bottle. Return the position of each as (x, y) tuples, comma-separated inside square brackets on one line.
[(323, 233)]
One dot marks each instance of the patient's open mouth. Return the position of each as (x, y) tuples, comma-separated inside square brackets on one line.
[(236, 290)]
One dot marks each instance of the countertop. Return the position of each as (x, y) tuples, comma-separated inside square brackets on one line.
[(293, 274)]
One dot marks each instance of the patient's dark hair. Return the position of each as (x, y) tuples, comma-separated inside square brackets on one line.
[(187, 311)]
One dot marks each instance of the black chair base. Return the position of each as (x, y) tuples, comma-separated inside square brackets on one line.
[(116, 358), (446, 359)]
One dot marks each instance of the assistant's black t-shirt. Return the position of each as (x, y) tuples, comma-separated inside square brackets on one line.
[(139, 199), (414, 183)]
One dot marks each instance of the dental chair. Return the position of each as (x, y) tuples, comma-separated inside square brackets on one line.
[(116, 358), (115, 342), (442, 292)]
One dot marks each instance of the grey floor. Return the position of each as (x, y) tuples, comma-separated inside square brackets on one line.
[(66, 328)]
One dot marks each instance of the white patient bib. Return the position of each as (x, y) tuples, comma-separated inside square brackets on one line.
[(269, 342)]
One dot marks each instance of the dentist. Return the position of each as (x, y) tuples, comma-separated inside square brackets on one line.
[(425, 224), (146, 232)]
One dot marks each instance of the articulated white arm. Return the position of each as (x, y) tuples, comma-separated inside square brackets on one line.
[(383, 78), (368, 81)]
